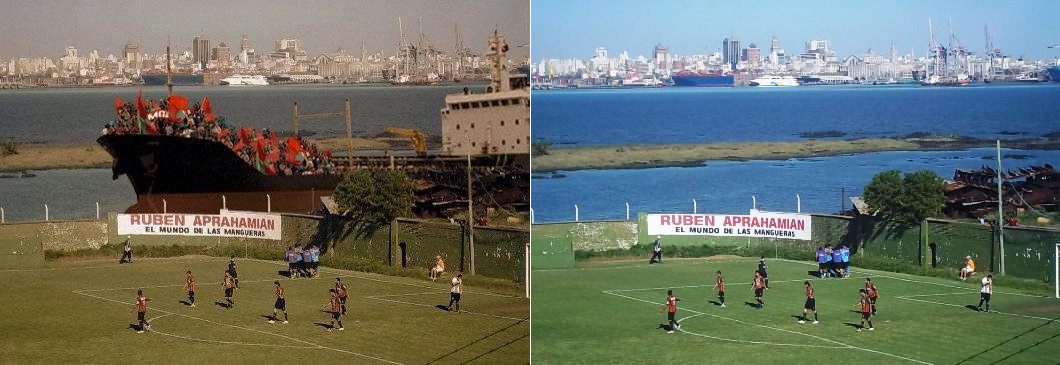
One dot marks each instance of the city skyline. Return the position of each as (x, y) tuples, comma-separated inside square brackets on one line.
[(1023, 28), (30, 31)]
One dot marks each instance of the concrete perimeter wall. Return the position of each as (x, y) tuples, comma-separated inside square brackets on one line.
[(411, 243)]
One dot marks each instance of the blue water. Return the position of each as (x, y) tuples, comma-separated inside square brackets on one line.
[(696, 115), (727, 186)]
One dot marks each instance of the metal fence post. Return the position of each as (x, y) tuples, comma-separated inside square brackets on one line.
[(694, 207), (2, 215), (97, 211), (268, 202), (575, 212), (224, 202), (627, 211), (165, 207), (798, 203), (754, 202), (45, 212)]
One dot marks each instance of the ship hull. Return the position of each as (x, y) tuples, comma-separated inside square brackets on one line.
[(704, 80), (191, 175), (1054, 73), (178, 80)]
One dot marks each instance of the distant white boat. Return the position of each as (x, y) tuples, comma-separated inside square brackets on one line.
[(245, 80), (775, 81)]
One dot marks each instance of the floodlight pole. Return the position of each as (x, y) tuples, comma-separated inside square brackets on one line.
[(575, 212), (694, 206), (1000, 211), (798, 203), (627, 211)]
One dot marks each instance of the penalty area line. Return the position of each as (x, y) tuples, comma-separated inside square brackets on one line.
[(316, 345), (961, 306), (781, 329), (750, 342), (431, 306)]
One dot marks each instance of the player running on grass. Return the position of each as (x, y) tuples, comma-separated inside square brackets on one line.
[(671, 311), (984, 293), (141, 311), (335, 308), (866, 310), (456, 287), (342, 290), (719, 283), (229, 286), (873, 294), (759, 286), (811, 304), (281, 303), (189, 285)]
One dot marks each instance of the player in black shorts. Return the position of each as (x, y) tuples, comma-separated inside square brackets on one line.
[(281, 303), (811, 304), (762, 270), (759, 286), (232, 270)]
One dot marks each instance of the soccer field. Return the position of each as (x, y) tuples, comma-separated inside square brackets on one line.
[(83, 313), (610, 312)]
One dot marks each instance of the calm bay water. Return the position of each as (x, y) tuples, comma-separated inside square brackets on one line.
[(77, 115), (727, 186), (700, 115), (703, 115)]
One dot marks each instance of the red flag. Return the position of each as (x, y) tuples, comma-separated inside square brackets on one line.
[(293, 148), (259, 145), (176, 105), (118, 103), (207, 109), (140, 107)]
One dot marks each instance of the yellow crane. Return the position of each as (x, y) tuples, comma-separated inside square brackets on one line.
[(418, 139)]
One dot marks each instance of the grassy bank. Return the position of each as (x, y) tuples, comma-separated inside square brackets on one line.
[(55, 156), (666, 155)]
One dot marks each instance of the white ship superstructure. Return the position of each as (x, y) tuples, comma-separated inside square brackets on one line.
[(496, 122), (245, 80)]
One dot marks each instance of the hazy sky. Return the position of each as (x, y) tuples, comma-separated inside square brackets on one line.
[(47, 27), (563, 29)]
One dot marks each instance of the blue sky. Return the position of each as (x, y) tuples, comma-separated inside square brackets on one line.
[(565, 28)]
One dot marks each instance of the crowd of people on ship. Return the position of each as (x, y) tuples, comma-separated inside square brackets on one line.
[(263, 150)]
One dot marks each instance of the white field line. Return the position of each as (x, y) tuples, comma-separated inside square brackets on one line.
[(744, 341), (782, 330), (203, 284), (431, 306), (726, 284), (248, 329), (114, 266), (961, 306), (349, 274), (153, 330), (932, 295), (687, 260)]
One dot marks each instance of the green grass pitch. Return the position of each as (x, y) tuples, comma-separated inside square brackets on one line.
[(610, 312), (82, 313)]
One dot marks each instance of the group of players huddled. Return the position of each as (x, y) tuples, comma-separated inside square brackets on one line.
[(335, 306)]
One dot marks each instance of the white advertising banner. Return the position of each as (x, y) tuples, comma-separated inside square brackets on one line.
[(759, 224), (246, 225)]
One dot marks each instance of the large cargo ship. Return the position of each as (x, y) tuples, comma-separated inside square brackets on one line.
[(1054, 73), (191, 170), (702, 79)]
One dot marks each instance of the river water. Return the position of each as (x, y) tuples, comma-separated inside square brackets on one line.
[(704, 115)]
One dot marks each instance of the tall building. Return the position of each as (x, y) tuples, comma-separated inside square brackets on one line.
[(661, 54), (754, 55), (730, 51), (775, 52), (222, 54), (131, 55), (200, 50)]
